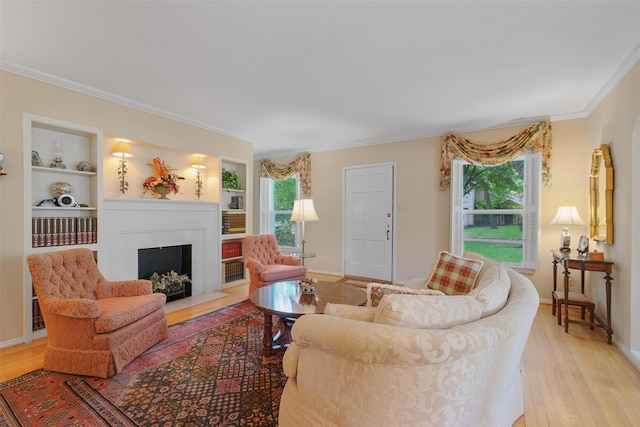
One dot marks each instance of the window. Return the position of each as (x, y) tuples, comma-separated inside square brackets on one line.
[(276, 204), (494, 210)]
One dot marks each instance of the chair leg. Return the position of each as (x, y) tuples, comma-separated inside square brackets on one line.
[(553, 304), (559, 308)]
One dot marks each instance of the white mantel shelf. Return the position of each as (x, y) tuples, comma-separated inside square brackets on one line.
[(143, 223)]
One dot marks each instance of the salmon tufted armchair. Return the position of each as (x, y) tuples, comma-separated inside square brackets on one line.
[(267, 265), (95, 327)]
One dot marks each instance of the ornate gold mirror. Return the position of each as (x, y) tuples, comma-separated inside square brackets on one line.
[(601, 195)]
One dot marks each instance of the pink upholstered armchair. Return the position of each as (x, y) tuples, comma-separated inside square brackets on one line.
[(267, 265), (95, 327)]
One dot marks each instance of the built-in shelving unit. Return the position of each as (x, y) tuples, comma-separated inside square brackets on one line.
[(233, 220), (57, 224)]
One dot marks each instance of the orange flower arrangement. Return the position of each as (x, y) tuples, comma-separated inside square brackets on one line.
[(162, 176)]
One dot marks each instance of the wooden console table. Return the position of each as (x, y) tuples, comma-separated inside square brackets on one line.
[(574, 261)]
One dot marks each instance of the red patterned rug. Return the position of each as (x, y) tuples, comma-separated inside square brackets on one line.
[(209, 372)]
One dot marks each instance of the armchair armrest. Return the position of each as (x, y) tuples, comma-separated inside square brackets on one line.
[(255, 266), (354, 312), (288, 260), (123, 288), (79, 308)]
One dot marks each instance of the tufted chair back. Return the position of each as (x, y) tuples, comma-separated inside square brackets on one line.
[(267, 265), (262, 247), (65, 274)]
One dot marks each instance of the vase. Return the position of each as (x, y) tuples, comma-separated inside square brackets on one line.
[(162, 190)]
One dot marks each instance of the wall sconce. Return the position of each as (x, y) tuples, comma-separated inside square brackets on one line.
[(197, 162), (566, 215), (303, 210), (122, 150)]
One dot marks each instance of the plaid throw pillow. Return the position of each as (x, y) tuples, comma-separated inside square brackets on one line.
[(454, 275)]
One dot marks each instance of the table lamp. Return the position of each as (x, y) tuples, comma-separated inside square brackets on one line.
[(566, 215)]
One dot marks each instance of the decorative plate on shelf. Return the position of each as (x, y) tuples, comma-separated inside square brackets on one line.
[(85, 166)]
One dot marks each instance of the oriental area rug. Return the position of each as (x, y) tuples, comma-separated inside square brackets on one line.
[(209, 372)]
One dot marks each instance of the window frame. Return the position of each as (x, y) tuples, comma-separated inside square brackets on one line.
[(267, 213), (530, 211)]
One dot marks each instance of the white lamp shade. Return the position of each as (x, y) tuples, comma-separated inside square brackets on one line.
[(567, 215), (303, 210), (121, 149)]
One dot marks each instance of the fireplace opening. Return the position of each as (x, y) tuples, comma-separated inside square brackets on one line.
[(162, 260)]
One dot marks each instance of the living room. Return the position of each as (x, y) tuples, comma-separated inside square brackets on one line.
[(423, 215)]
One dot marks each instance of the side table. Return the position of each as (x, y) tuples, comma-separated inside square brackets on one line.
[(574, 261), (304, 255)]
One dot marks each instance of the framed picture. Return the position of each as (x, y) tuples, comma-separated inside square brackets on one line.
[(583, 245), (35, 159)]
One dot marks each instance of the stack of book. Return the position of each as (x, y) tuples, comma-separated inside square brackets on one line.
[(233, 223), (233, 270), (37, 318), (62, 231), (231, 250)]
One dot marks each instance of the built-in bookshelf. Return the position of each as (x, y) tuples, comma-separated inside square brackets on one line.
[(233, 221), (63, 195)]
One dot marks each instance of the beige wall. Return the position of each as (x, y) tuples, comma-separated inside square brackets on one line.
[(612, 122), (23, 95), (423, 209), (423, 219)]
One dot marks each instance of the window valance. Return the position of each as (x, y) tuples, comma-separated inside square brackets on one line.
[(536, 137), (301, 164)]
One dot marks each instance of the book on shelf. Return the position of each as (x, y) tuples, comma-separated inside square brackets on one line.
[(231, 250), (233, 270), (233, 223), (63, 231)]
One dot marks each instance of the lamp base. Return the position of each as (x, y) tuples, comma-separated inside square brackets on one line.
[(565, 240)]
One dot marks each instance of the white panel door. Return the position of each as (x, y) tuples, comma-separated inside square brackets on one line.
[(368, 227)]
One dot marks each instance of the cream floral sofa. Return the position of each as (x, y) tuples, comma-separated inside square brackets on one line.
[(345, 369)]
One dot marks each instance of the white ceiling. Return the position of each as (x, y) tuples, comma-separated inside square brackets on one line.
[(294, 76)]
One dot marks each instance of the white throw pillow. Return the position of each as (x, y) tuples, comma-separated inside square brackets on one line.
[(493, 290), (428, 311)]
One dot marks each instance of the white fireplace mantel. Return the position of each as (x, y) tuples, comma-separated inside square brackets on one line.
[(134, 224)]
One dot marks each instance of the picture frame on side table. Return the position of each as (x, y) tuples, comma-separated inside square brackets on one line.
[(35, 159), (583, 245)]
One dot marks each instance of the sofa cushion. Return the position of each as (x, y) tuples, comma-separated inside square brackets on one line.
[(353, 312), (492, 287), (375, 292), (486, 262), (431, 312), (454, 275), (121, 311)]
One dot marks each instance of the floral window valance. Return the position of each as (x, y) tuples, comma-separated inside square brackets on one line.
[(301, 164), (536, 137)]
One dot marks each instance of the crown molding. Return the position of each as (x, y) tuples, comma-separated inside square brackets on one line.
[(108, 96)]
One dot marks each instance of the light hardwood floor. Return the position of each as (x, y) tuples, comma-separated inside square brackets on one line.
[(573, 379)]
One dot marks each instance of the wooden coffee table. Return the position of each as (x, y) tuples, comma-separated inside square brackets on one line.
[(284, 299)]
